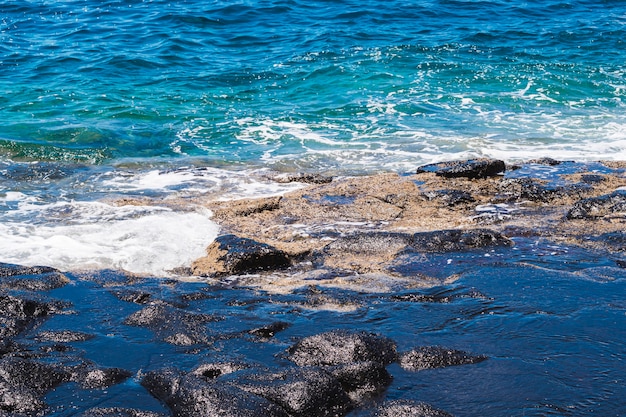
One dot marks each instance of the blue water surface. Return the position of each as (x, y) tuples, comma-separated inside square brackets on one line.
[(362, 85)]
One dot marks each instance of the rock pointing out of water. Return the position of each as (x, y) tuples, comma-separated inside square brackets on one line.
[(594, 207), (431, 357), (472, 168), (232, 255)]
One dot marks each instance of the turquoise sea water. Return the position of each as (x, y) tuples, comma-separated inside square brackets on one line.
[(102, 99)]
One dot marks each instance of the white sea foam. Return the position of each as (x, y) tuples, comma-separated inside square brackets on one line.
[(143, 240)]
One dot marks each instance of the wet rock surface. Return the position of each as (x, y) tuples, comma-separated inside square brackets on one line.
[(230, 255), (472, 168), (432, 357)]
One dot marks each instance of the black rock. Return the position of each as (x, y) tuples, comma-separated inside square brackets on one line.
[(308, 391), (545, 161), (362, 380), (369, 243), (430, 357), (403, 408), (270, 330), (172, 324), (341, 347), (212, 371), (90, 377), (305, 178), (24, 382), (471, 168), (63, 336), (457, 240), (17, 314), (35, 278), (133, 296), (118, 412), (594, 207), (516, 189), (450, 197), (232, 255), (191, 396)]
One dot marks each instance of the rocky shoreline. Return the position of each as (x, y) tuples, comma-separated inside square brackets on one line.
[(363, 224), (388, 234)]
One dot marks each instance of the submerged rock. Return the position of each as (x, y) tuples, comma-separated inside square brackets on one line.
[(457, 240), (64, 336), (530, 189), (91, 377), (232, 255), (431, 357), (174, 325), (471, 168), (594, 207), (306, 392), (118, 412), (270, 330), (340, 347), (191, 396), (402, 408), (362, 380)]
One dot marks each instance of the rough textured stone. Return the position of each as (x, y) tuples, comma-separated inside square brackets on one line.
[(450, 198), (118, 412), (457, 240), (36, 278), (471, 168), (594, 207), (191, 396), (231, 255), (18, 314), (362, 380), (24, 382), (270, 330), (400, 408), (430, 357), (530, 189), (63, 336), (174, 325), (304, 177), (340, 347), (90, 377), (306, 392)]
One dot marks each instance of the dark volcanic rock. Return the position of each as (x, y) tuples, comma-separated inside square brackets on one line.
[(133, 296), (472, 168), (304, 177), (370, 243), (362, 380), (594, 207), (400, 408), (341, 347), (190, 396), (430, 357), (270, 330), (211, 371), (545, 161), (90, 377), (457, 240), (36, 278), (64, 336), (174, 325), (308, 391), (18, 314), (231, 255), (450, 197), (118, 412), (23, 382), (515, 189)]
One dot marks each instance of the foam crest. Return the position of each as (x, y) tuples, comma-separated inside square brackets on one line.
[(140, 240)]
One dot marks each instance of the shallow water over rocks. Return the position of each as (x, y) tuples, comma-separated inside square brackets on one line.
[(535, 330)]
